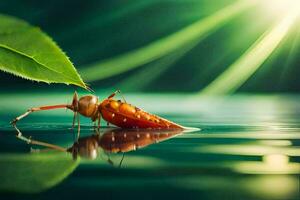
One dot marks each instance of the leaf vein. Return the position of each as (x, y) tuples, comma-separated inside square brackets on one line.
[(32, 58)]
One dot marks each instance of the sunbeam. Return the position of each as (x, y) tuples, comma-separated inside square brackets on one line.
[(236, 74), (164, 46), (141, 79), (278, 7)]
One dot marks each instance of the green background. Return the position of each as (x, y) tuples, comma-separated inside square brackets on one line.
[(93, 31)]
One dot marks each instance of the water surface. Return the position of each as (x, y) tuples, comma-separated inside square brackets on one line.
[(247, 148)]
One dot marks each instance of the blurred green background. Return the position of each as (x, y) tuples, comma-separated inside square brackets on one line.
[(213, 46)]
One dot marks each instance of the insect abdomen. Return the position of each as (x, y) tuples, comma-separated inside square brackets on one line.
[(127, 116)]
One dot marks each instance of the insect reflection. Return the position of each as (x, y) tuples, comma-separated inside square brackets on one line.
[(115, 141)]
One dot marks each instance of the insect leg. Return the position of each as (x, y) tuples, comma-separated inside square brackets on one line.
[(94, 125), (36, 142), (13, 122), (109, 160), (78, 131), (99, 120), (74, 119)]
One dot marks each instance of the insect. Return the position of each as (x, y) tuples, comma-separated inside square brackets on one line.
[(116, 112)]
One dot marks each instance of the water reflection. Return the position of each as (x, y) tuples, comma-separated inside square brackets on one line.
[(248, 149), (276, 161), (119, 140)]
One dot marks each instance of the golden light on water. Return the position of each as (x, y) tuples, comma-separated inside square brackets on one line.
[(275, 142), (273, 186), (275, 156), (271, 164), (276, 161)]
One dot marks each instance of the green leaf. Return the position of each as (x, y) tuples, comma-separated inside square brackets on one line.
[(31, 173), (27, 52)]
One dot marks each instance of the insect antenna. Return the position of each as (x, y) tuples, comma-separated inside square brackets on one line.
[(119, 91), (90, 89)]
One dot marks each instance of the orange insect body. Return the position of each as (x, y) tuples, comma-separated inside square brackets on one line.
[(116, 112), (127, 116)]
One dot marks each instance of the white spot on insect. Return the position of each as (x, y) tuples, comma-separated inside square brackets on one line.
[(124, 120), (113, 115), (148, 135), (138, 135), (134, 147), (138, 116), (113, 138), (125, 135), (94, 100), (94, 154)]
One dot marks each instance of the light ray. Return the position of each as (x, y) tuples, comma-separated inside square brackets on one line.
[(139, 80), (287, 68), (164, 46), (236, 74), (91, 22)]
